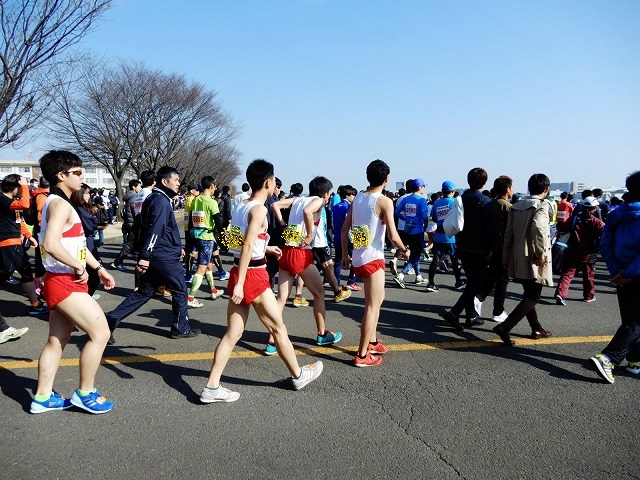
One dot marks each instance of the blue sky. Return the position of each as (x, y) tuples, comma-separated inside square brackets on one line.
[(434, 88)]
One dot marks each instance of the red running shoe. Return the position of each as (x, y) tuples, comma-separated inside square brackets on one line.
[(368, 361)]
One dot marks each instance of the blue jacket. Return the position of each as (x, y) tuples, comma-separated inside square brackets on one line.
[(620, 243), (439, 211), (159, 234), (340, 211), (413, 209)]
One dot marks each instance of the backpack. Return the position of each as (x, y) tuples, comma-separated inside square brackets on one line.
[(30, 215)]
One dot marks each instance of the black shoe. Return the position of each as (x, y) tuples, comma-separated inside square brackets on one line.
[(452, 320), (504, 335), (112, 339), (473, 322), (194, 332), (540, 334)]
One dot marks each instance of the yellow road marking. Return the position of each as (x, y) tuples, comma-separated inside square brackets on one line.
[(401, 347)]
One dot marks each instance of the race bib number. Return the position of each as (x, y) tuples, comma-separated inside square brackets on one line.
[(197, 219), (360, 236), (562, 216), (185, 218), (410, 210), (442, 211), (82, 255), (292, 235)]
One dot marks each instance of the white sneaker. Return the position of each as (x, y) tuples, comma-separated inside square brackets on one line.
[(420, 280), (477, 304), (195, 303), (500, 318), (217, 293), (220, 394), (12, 333), (308, 374)]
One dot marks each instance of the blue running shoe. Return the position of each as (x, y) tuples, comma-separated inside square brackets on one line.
[(54, 402), (329, 338), (93, 403), (270, 349), (224, 275)]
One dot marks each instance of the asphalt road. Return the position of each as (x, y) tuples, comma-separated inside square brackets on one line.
[(442, 405)]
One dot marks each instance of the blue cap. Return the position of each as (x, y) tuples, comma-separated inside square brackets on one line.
[(418, 182), (448, 186)]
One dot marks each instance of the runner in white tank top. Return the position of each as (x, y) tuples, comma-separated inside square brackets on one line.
[(367, 231), (295, 232), (73, 240), (238, 230)]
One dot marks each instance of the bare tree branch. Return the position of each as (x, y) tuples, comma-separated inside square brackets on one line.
[(35, 34), (129, 118)]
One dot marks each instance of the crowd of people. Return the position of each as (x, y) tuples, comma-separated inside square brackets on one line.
[(281, 243)]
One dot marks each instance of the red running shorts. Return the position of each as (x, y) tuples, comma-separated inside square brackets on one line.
[(368, 269), (255, 283), (58, 286), (295, 260)]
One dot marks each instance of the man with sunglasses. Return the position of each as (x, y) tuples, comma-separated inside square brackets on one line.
[(65, 258)]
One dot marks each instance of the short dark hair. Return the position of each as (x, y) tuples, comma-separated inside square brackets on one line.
[(346, 190), (10, 182), (148, 178), (597, 192), (296, 189), (586, 193), (247, 186), (33, 180), (44, 183), (258, 172), (633, 183), (225, 189), (165, 173), (501, 185), (133, 184), (320, 186), (538, 183), (377, 173), (477, 178), (564, 195), (207, 181), (56, 161), (278, 183)]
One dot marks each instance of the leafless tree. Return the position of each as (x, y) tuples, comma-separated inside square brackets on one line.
[(35, 35), (129, 118)]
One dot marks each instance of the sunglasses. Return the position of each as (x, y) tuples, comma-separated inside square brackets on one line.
[(76, 171)]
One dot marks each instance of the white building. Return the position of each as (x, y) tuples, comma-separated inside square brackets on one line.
[(96, 176)]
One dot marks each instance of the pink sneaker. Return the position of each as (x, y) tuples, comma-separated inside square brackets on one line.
[(377, 349), (368, 361), (354, 286)]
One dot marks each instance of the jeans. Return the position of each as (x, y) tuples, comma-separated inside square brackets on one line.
[(626, 341), (415, 243)]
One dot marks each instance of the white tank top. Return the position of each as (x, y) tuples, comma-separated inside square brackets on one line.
[(238, 229), (295, 232), (367, 230), (73, 241)]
